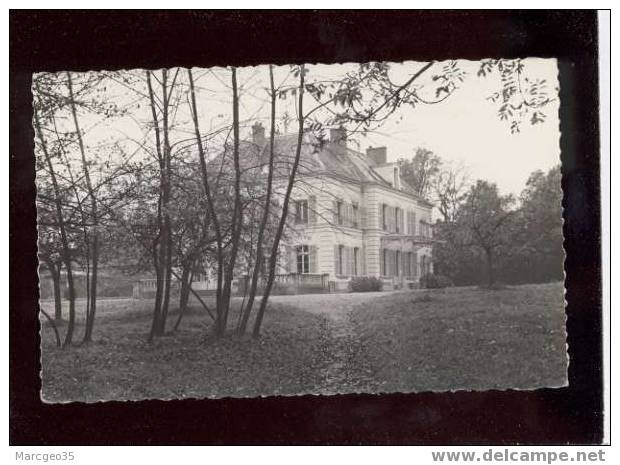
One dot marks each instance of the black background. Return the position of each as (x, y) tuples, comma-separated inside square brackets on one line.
[(60, 40)]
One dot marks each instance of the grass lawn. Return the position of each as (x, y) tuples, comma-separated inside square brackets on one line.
[(466, 338), (459, 338), (120, 364)]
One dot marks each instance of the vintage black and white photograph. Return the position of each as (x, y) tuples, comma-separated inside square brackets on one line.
[(319, 229)]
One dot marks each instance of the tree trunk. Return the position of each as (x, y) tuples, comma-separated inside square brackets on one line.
[(490, 269), (167, 254), (259, 243), (210, 202), (287, 196), (88, 335), (66, 251), (186, 284), (94, 249), (157, 249), (53, 325), (55, 269), (222, 316), (57, 294)]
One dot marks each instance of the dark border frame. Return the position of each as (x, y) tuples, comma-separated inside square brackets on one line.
[(79, 40)]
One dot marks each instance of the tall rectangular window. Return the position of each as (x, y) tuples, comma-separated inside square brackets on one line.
[(397, 219), (340, 270), (384, 261), (407, 267), (397, 263), (384, 216), (355, 215), (301, 212), (339, 213), (356, 261), (303, 259)]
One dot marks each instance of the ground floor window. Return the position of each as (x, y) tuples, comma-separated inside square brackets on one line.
[(340, 261), (384, 262), (303, 259), (410, 264), (425, 265), (347, 260), (394, 263)]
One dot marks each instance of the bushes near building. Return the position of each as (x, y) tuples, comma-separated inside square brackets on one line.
[(435, 281), (365, 284)]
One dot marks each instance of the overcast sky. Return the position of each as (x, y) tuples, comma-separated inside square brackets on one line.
[(462, 129)]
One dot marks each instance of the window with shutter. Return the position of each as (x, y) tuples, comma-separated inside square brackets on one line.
[(313, 259), (336, 259), (410, 226), (396, 222), (301, 211), (291, 258), (383, 262), (383, 213), (407, 264), (312, 216), (393, 262), (351, 261), (355, 215), (339, 213), (394, 219), (291, 214)]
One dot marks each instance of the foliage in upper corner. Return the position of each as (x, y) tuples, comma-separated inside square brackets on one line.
[(521, 98)]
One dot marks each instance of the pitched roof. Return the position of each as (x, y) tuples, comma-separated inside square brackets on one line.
[(329, 158), (319, 157)]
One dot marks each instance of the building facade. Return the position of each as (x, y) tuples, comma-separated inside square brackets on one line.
[(352, 215)]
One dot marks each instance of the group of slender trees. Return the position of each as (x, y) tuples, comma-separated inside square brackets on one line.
[(180, 196)]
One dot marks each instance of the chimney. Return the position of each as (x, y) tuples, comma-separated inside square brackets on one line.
[(258, 134), (377, 154)]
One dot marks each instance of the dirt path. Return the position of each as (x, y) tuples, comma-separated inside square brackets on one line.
[(347, 369)]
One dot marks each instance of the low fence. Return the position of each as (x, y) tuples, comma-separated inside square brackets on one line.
[(290, 283), (293, 283), (286, 283)]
